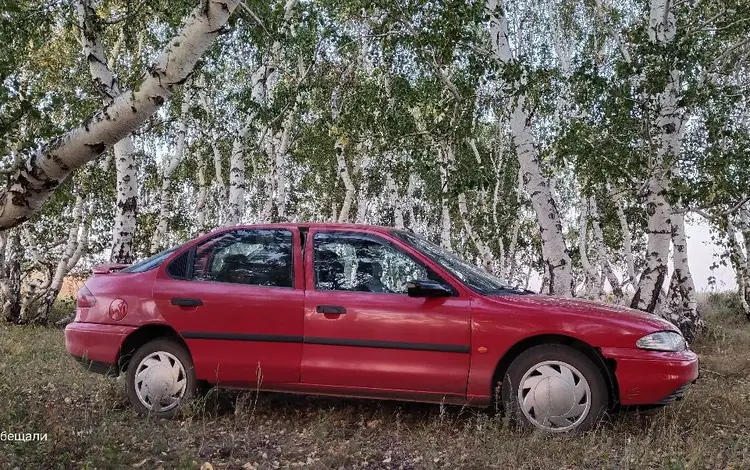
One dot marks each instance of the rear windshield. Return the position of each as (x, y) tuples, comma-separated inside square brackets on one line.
[(149, 263)]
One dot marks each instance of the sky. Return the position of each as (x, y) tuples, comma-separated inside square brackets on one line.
[(701, 255)]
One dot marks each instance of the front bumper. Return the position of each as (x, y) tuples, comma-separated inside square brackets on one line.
[(652, 377), (96, 345)]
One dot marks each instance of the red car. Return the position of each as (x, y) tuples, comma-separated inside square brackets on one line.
[(365, 311)]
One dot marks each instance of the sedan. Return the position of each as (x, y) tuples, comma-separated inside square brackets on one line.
[(366, 311)]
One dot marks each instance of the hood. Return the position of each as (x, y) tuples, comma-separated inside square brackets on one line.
[(588, 308)]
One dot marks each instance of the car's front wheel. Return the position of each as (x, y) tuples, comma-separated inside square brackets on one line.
[(160, 378), (555, 388)]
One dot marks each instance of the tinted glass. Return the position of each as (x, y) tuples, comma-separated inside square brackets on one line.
[(149, 263), (254, 257), (472, 276), (355, 262)]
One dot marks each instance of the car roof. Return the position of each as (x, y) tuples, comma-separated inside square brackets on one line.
[(317, 225)]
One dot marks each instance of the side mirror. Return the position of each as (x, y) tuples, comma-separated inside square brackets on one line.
[(427, 288)]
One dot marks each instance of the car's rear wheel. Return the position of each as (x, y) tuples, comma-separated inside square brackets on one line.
[(555, 388), (160, 378)]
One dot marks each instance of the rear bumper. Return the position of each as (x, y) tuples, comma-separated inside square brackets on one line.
[(652, 377), (96, 345)]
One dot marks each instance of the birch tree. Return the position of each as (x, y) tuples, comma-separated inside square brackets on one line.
[(41, 171), (108, 87), (554, 249)]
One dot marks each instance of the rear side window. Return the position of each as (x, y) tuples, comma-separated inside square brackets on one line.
[(149, 263), (252, 257)]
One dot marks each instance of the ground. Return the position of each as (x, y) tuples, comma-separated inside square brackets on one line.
[(89, 423)]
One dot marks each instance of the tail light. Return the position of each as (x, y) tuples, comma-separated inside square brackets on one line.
[(85, 299)]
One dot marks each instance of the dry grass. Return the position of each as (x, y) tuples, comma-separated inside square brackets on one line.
[(90, 425)]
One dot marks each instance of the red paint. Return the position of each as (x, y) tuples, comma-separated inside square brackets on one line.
[(429, 349), (118, 309)]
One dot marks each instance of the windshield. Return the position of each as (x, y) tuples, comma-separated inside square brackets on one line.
[(472, 276), (149, 263)]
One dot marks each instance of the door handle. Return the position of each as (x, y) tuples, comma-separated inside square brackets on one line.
[(186, 302), (330, 309)]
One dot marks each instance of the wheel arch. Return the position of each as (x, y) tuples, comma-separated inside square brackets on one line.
[(143, 335), (605, 365)]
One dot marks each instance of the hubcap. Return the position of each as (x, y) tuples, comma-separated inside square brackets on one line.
[(160, 381), (554, 396)]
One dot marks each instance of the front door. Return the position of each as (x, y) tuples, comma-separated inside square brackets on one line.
[(363, 331), (237, 300)]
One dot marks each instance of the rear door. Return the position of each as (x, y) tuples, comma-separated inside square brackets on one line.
[(237, 300), (362, 329)]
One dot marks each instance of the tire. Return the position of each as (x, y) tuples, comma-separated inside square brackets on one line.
[(170, 383), (555, 388)]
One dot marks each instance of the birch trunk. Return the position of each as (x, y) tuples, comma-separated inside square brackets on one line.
[(126, 209), (398, 215), (108, 86), (445, 157), (282, 153), (686, 315), (601, 250), (362, 191), (200, 201), (45, 169), (667, 136), (591, 273), (740, 264), (346, 179), (158, 241), (218, 165), (69, 259), (484, 251), (11, 279), (627, 244), (554, 250), (236, 206)]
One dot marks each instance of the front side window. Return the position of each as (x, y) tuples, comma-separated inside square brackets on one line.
[(359, 263), (471, 275), (253, 257)]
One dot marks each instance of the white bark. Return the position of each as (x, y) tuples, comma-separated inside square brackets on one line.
[(446, 159), (236, 206), (126, 207), (200, 201), (740, 264), (10, 275), (410, 200), (666, 134), (67, 261), (686, 316), (554, 250), (627, 244), (485, 254), (591, 273), (165, 196), (363, 174), (45, 169), (106, 83), (282, 154), (601, 250), (346, 179), (218, 165), (398, 215)]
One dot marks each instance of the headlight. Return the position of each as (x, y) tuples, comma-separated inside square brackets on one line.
[(662, 341)]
